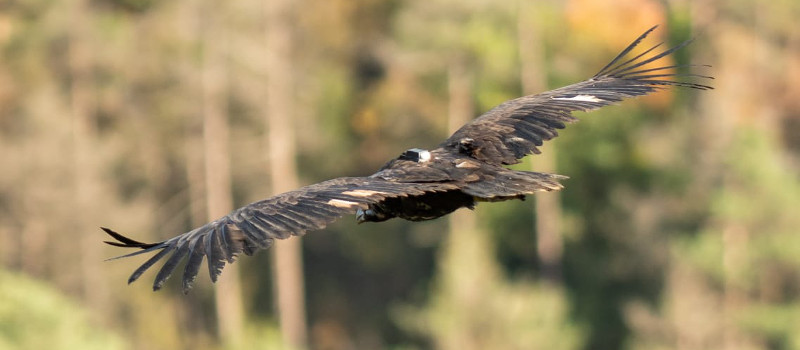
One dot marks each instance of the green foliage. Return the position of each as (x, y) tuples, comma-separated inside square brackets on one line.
[(35, 316), (780, 324), (654, 215), (757, 200), (741, 267), (517, 315), (260, 335), (473, 306), (703, 251)]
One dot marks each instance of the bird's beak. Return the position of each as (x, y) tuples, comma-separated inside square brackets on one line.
[(361, 216)]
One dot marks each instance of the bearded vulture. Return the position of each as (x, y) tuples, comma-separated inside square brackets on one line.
[(467, 168)]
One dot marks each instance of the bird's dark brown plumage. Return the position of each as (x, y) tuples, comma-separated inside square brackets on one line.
[(466, 168)]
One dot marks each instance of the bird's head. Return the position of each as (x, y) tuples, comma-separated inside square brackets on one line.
[(361, 216), (371, 215)]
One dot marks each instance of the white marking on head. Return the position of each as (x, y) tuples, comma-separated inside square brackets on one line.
[(582, 98), (341, 203), (424, 156), (361, 193), (418, 155)]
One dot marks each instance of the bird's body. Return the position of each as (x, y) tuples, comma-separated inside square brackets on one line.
[(467, 168), (475, 181)]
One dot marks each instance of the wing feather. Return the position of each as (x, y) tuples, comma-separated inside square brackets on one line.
[(257, 225), (196, 254), (498, 136), (170, 265), (213, 252), (147, 264), (231, 246)]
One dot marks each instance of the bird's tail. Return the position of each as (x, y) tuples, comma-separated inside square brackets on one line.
[(514, 184)]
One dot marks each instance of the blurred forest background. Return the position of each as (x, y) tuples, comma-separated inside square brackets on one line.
[(678, 228)]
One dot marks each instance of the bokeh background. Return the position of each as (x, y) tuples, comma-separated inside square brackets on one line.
[(678, 228)]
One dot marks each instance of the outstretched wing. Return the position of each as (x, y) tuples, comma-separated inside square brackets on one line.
[(517, 127), (258, 224)]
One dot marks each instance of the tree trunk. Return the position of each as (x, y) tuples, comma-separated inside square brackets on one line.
[(288, 262), (548, 205), (228, 294), (466, 266), (84, 136)]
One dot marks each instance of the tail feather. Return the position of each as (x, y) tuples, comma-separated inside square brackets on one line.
[(512, 184)]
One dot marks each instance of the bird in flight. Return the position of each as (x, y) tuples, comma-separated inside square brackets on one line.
[(467, 168)]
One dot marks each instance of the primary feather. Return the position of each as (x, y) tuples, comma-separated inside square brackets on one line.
[(516, 128)]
